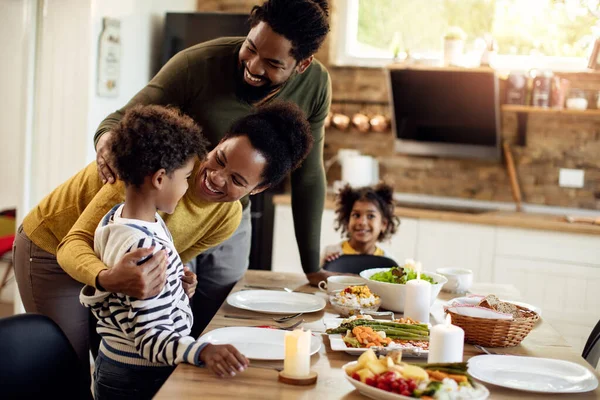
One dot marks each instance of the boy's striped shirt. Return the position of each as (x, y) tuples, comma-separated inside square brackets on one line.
[(152, 332)]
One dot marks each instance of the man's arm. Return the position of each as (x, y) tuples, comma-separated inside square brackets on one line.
[(308, 191)]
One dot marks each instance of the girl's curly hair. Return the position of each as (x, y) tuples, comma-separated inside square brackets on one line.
[(382, 195)]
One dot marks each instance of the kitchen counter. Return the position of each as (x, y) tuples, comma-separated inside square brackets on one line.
[(526, 220)]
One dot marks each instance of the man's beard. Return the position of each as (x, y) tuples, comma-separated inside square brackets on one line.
[(253, 94)]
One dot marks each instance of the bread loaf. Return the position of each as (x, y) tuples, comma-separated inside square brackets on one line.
[(490, 301), (493, 302)]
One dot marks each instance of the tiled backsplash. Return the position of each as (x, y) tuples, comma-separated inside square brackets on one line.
[(553, 141)]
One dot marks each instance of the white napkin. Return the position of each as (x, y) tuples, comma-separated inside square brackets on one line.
[(468, 306)]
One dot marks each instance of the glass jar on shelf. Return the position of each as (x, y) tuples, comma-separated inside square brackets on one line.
[(577, 100), (542, 84)]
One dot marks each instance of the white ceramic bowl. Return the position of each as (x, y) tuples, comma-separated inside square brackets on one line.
[(392, 294), (348, 311), (379, 394)]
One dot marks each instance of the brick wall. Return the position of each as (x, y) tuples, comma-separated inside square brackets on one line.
[(553, 141)]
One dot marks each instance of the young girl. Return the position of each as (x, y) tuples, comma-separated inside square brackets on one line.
[(366, 216)]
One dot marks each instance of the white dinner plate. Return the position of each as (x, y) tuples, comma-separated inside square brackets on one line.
[(481, 393), (276, 302), (532, 374), (256, 343), (337, 343)]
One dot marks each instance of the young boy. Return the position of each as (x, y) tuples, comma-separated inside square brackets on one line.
[(154, 149)]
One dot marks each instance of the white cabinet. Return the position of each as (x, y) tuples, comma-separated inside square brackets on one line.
[(535, 244), (559, 272), (403, 244), (285, 250), (567, 293), (457, 245)]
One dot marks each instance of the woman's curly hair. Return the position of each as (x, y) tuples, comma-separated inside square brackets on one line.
[(302, 22), (151, 137), (281, 133), (382, 195)]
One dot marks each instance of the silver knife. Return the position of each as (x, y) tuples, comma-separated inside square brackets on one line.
[(239, 316)]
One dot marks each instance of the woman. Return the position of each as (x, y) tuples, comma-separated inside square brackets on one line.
[(258, 152)]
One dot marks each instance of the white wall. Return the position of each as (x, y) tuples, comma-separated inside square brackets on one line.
[(60, 106), (66, 110), (141, 39), (15, 23)]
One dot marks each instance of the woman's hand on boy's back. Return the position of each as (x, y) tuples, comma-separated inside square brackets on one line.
[(223, 359), (139, 281)]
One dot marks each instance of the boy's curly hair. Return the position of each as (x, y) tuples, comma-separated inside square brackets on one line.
[(302, 22), (382, 195), (281, 133), (152, 137)]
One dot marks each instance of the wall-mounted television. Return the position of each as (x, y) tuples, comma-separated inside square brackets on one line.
[(447, 112)]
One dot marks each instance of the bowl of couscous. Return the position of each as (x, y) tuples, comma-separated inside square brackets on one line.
[(353, 300)]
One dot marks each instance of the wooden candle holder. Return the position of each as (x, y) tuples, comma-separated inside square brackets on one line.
[(310, 379)]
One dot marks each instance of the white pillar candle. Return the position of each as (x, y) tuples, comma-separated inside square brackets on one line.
[(417, 298), (446, 343), (297, 353)]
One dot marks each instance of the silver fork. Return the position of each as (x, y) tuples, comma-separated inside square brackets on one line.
[(287, 317), (291, 327), (486, 351)]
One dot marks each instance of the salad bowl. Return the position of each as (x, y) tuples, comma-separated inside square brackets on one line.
[(392, 294)]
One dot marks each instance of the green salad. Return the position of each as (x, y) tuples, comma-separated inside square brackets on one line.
[(399, 275)]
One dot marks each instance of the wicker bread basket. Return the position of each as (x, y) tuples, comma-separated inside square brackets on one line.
[(496, 332)]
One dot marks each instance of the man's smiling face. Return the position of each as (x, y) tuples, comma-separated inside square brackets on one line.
[(266, 58)]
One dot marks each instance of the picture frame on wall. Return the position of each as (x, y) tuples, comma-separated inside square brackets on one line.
[(109, 58), (594, 60)]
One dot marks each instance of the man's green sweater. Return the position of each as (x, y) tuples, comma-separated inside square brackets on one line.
[(202, 82)]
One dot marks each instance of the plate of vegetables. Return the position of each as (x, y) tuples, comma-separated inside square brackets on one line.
[(357, 334), (389, 378)]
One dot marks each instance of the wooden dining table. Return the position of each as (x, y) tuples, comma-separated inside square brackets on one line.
[(260, 380)]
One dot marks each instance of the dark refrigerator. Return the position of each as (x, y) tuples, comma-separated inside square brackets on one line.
[(183, 30)]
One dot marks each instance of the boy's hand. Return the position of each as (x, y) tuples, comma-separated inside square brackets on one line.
[(223, 359), (105, 167), (189, 281)]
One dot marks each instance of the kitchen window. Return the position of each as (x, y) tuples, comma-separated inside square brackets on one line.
[(555, 34)]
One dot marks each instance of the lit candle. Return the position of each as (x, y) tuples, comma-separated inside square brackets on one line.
[(446, 342), (297, 353), (417, 299)]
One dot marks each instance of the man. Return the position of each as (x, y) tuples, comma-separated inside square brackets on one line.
[(222, 80)]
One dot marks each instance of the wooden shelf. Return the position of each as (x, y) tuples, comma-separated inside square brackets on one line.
[(540, 110)]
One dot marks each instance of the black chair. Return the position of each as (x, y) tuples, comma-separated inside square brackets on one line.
[(37, 361), (591, 350), (355, 264)]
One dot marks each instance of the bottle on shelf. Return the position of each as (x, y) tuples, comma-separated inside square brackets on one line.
[(542, 83)]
